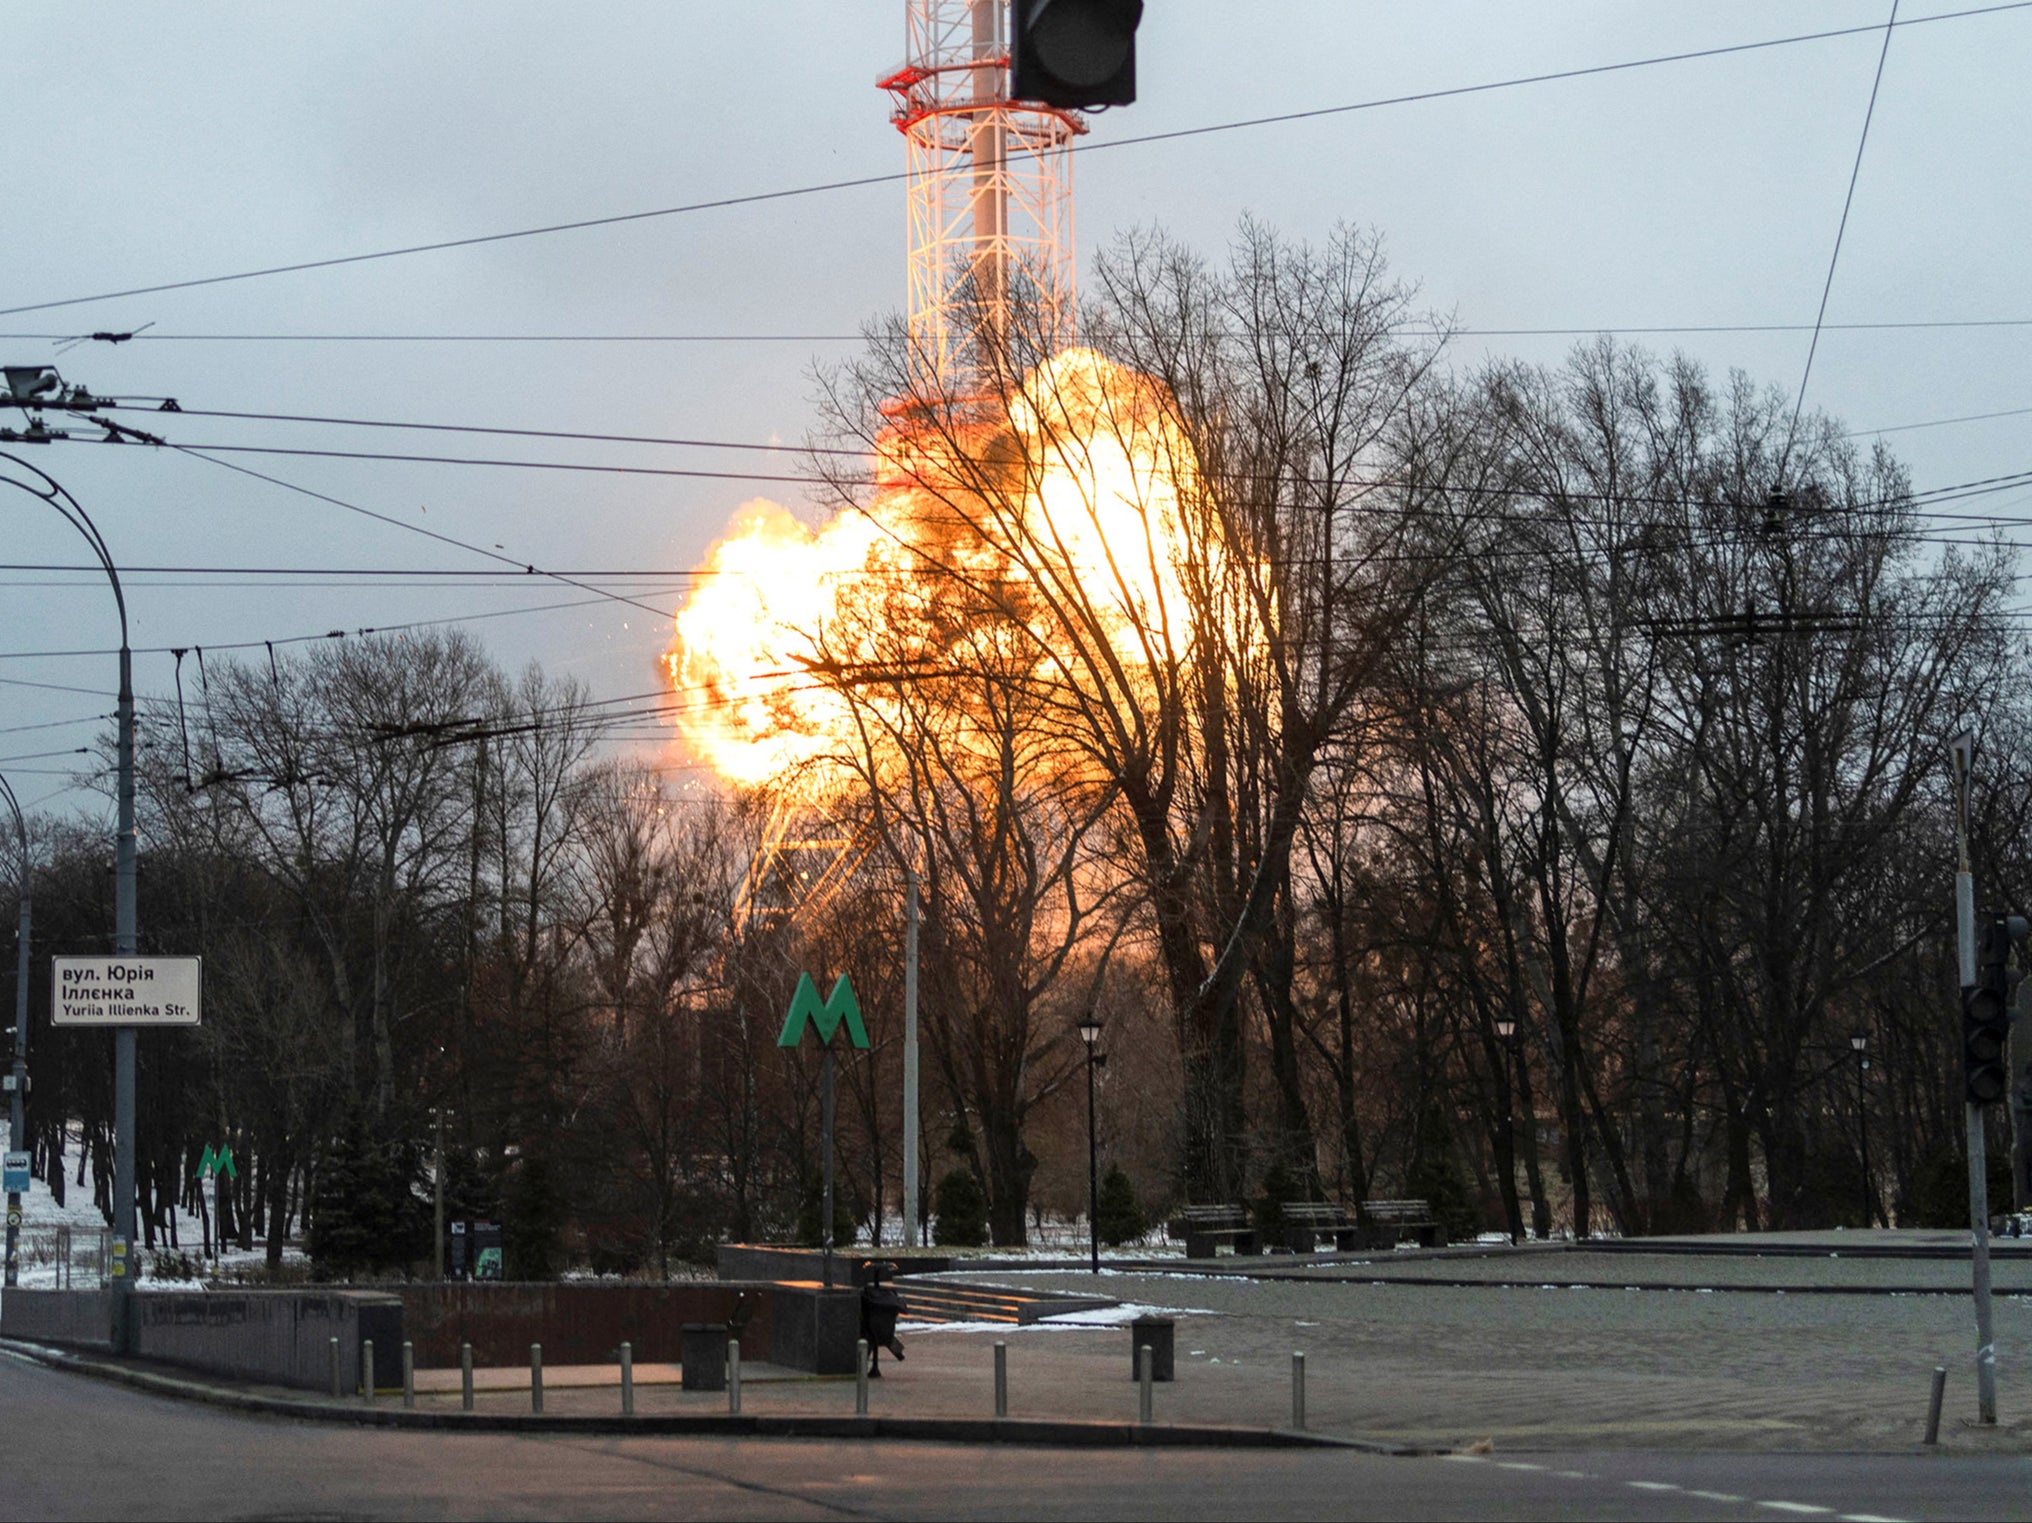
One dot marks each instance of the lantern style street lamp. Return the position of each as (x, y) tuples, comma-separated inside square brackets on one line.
[(1860, 1045), (1090, 1034), (1506, 1032)]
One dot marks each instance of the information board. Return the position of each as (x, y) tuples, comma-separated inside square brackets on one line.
[(124, 991)]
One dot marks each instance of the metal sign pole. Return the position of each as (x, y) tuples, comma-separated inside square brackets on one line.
[(826, 1101), (840, 1009)]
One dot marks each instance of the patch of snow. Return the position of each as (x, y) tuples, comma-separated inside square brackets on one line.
[(1077, 1321)]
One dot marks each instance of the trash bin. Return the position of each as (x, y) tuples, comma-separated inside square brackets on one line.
[(881, 1308), (1156, 1334), (702, 1349)]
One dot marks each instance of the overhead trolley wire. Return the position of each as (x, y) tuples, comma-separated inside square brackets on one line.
[(1977, 487), (805, 451), (1412, 330), (897, 177), (1834, 256), (448, 539)]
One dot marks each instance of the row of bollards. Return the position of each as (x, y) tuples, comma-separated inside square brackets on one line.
[(1146, 1363), (627, 1360), (367, 1387), (1145, 1381)]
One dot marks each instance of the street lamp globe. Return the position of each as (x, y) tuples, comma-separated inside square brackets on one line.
[(1090, 1030), (1859, 1041), (1505, 1030)]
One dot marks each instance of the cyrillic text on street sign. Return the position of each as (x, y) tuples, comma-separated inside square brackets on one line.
[(124, 991)]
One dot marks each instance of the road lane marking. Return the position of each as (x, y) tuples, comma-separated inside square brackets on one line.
[(1729, 1498)]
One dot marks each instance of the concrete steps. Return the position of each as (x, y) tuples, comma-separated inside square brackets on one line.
[(927, 1300)]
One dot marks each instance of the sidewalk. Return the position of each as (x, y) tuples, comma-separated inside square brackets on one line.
[(1504, 1350), (817, 1407)]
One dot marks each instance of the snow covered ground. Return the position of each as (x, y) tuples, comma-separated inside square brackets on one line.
[(42, 1236)]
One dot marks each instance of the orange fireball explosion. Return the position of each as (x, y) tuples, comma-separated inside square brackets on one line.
[(1106, 471)]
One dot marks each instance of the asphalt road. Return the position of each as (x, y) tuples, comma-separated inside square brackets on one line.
[(72, 1447)]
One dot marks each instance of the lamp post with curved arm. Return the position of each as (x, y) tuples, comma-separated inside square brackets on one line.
[(124, 928), (17, 1119)]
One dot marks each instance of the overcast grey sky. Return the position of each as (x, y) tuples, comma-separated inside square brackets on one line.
[(152, 143)]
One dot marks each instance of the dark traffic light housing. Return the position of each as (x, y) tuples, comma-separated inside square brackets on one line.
[(1986, 1012), (1073, 53)]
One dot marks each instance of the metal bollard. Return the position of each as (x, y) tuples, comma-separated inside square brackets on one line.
[(466, 1377), (367, 1368), (1001, 1378), (1933, 1406), (1297, 1390), (860, 1377), (627, 1380), (336, 1392), (536, 1377), (408, 1373), (1145, 1368), (734, 1375)]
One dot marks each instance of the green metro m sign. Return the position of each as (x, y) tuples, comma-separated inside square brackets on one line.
[(805, 1009)]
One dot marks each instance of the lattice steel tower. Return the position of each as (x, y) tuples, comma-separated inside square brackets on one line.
[(990, 187)]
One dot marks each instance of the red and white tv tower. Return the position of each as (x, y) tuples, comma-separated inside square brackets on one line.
[(990, 185)]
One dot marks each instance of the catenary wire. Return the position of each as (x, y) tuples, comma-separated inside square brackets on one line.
[(897, 177), (769, 447), (1404, 330), (1834, 256)]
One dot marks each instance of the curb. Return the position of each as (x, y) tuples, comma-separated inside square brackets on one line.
[(1072, 1433)]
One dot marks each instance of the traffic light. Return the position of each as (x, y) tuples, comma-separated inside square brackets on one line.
[(1074, 53), (1986, 1012)]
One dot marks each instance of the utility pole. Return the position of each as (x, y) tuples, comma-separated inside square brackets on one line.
[(910, 1115), (1978, 1163), (126, 942), (17, 1096)]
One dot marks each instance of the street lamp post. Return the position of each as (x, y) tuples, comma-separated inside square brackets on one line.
[(125, 939), (17, 1099), (1861, 1044), (1506, 1032), (1090, 1033)]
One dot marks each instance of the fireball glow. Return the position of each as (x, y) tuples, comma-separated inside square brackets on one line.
[(1104, 467)]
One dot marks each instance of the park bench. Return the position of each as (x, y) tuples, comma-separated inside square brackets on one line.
[(1205, 1228), (1394, 1221), (1305, 1222)]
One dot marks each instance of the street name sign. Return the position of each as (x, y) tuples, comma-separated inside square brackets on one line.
[(124, 991)]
